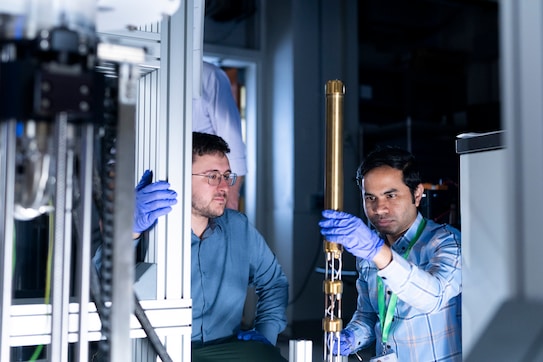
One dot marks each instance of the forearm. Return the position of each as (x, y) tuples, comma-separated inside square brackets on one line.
[(272, 305), (270, 319), (268, 330), (426, 289), (270, 322)]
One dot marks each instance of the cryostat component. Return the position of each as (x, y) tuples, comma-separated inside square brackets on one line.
[(62, 91), (333, 287), (332, 323), (47, 71), (34, 170)]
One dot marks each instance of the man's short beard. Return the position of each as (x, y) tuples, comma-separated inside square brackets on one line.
[(207, 211), (210, 214)]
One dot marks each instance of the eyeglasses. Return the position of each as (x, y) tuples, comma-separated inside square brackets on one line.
[(214, 177)]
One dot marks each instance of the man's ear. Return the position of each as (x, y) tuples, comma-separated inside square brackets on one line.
[(419, 191)]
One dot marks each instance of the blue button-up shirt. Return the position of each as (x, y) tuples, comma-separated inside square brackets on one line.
[(427, 320), (231, 256)]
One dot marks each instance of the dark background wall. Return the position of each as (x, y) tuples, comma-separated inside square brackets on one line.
[(417, 74)]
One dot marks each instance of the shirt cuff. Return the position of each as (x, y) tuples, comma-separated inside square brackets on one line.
[(268, 331), (396, 273)]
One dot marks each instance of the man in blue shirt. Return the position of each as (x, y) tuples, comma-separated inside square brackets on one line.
[(409, 284), (227, 255)]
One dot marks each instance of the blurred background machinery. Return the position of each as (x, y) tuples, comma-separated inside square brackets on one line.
[(70, 118)]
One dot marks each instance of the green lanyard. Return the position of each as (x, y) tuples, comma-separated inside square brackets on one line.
[(386, 320)]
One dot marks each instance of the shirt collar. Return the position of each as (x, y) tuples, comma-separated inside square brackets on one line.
[(212, 226), (401, 245)]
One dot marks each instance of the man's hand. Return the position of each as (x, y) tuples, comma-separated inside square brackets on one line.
[(152, 201), (351, 232), (252, 335), (346, 343)]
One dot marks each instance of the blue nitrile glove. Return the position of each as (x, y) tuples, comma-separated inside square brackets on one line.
[(252, 335), (152, 201), (350, 231), (346, 343)]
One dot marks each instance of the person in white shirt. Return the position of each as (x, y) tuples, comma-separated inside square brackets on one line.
[(216, 112)]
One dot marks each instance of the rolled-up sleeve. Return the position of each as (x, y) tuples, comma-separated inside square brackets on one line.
[(431, 285)]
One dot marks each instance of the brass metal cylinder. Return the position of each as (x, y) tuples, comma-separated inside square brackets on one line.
[(333, 199), (334, 287), (333, 170), (333, 248), (333, 183), (332, 325)]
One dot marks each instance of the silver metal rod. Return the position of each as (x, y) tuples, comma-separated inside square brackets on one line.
[(122, 306), (7, 191), (84, 240), (300, 351), (61, 249)]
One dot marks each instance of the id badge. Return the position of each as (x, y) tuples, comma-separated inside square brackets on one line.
[(389, 357)]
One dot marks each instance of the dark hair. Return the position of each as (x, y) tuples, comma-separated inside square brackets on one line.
[(394, 157), (208, 144)]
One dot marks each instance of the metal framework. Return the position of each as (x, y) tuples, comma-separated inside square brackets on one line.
[(153, 110)]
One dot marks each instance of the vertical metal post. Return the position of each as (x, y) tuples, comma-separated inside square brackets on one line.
[(120, 306), (333, 199), (7, 191), (300, 351), (122, 300), (84, 241), (62, 245), (521, 55)]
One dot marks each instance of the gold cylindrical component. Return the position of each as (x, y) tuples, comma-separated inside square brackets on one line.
[(333, 183), (334, 248), (333, 199), (332, 287), (332, 325)]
